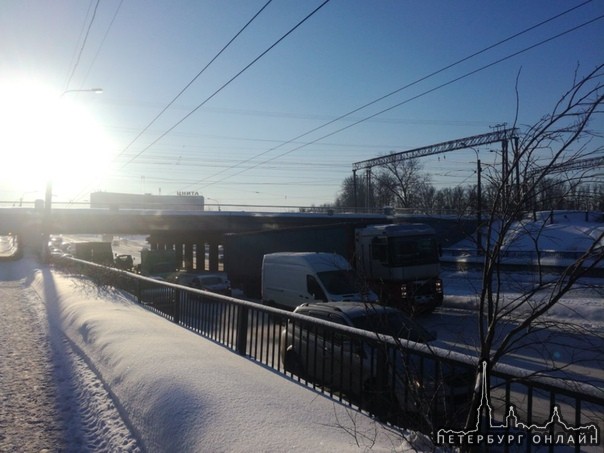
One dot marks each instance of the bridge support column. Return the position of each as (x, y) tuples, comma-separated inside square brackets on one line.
[(200, 256), (179, 254), (158, 245), (188, 246), (213, 259)]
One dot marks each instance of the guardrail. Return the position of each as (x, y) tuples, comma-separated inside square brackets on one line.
[(527, 256), (551, 261), (407, 384)]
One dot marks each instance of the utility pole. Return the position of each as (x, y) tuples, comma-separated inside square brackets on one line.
[(517, 165), (48, 195), (368, 190), (504, 171), (46, 222), (479, 204), (354, 190)]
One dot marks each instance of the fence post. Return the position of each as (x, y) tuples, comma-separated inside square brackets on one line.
[(138, 290), (241, 342), (177, 295)]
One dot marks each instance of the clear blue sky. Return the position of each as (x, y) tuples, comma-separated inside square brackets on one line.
[(231, 150)]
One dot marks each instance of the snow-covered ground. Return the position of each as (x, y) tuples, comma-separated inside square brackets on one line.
[(128, 380), (552, 237)]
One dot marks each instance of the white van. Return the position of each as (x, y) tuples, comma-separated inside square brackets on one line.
[(290, 279)]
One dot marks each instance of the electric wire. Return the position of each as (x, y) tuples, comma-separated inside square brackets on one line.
[(424, 93), (77, 62), (389, 94), (146, 128), (254, 61), (409, 85), (166, 107), (80, 38), (96, 55)]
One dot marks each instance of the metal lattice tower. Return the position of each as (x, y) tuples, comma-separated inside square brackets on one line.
[(445, 147), (501, 135)]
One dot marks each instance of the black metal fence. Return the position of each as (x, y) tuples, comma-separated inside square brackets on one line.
[(404, 383)]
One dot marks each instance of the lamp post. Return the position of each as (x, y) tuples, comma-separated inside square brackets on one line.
[(48, 194), (217, 202), (86, 90)]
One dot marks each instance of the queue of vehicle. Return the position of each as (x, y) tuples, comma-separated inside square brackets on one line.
[(399, 262)]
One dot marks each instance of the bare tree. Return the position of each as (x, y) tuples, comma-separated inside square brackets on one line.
[(400, 184), (404, 180), (547, 161), (347, 199)]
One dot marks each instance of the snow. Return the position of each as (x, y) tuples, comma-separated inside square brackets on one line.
[(133, 381), (559, 236), (87, 369)]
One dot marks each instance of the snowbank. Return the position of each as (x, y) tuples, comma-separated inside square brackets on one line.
[(180, 392), (551, 238)]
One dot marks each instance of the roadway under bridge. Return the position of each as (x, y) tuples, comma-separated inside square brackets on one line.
[(193, 234)]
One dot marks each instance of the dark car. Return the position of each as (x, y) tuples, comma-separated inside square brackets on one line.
[(213, 282), (124, 262), (384, 379)]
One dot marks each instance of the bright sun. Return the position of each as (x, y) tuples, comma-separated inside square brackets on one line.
[(48, 136)]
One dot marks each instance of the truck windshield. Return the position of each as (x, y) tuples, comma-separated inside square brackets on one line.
[(339, 282), (415, 250)]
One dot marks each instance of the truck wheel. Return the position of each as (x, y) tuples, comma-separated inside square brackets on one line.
[(293, 364)]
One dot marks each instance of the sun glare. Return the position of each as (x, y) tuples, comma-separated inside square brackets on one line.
[(49, 136)]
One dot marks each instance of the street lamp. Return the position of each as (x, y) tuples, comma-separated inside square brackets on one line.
[(217, 202), (86, 90)]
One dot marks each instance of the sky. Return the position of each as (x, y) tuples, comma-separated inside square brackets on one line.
[(262, 125)]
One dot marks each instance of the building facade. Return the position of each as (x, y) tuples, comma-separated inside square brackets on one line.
[(183, 201)]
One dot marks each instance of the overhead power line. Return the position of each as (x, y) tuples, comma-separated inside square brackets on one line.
[(576, 164), (123, 151), (186, 87), (254, 61), (98, 51), (392, 93), (450, 82), (77, 62)]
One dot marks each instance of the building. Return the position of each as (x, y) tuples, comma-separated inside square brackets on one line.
[(183, 201)]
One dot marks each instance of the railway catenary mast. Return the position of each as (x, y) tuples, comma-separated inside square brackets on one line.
[(502, 135)]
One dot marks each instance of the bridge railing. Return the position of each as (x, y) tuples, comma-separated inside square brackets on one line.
[(407, 384)]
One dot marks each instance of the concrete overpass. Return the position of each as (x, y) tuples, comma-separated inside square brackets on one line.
[(193, 233)]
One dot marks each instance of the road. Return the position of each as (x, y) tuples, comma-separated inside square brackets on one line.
[(570, 338), (571, 353)]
